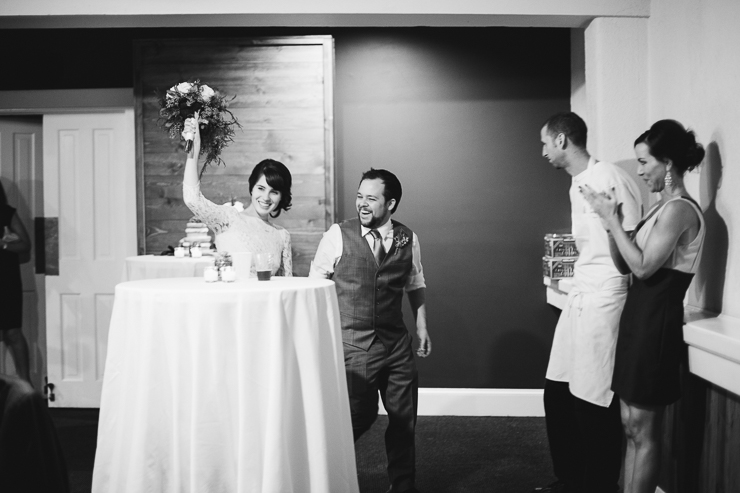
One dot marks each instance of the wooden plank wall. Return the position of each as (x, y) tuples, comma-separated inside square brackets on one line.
[(701, 440), (283, 89)]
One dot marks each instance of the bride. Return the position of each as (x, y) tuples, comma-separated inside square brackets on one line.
[(250, 230)]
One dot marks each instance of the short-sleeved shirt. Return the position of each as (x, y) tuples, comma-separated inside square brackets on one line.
[(585, 338), (595, 265)]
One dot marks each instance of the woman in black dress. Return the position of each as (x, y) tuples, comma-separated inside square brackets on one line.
[(14, 240), (662, 256)]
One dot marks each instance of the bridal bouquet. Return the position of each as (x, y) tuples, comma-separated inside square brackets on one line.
[(216, 122)]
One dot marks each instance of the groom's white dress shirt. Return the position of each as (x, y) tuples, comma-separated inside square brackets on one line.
[(331, 247)]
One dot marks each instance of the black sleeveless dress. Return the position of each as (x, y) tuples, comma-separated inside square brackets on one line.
[(650, 346), (11, 291)]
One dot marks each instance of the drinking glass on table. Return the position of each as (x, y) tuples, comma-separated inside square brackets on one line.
[(263, 265), (243, 264)]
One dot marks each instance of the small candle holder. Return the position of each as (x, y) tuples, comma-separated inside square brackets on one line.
[(195, 251), (228, 274), (210, 274), (179, 252)]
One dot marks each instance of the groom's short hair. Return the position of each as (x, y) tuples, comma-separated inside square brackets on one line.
[(391, 185)]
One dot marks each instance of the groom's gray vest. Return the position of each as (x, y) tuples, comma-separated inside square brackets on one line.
[(370, 296)]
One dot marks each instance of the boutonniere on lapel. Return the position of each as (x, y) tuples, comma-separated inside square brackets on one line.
[(400, 240)]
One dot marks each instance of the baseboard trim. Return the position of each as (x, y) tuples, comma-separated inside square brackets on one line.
[(479, 402)]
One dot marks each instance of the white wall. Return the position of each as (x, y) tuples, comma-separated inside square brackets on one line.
[(609, 87), (616, 85), (694, 67)]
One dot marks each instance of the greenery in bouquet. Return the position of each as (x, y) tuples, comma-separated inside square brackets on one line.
[(216, 122)]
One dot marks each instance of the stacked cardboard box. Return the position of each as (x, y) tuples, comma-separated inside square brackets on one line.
[(561, 254)]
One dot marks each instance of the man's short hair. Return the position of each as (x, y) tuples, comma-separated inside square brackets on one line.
[(569, 124), (391, 185)]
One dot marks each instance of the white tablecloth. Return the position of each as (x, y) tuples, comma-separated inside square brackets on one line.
[(225, 387), (164, 266)]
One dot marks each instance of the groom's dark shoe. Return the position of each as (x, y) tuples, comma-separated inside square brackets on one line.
[(556, 487)]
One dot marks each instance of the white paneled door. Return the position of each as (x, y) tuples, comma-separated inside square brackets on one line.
[(89, 185)]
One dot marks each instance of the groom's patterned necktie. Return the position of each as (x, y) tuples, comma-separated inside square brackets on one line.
[(378, 249)]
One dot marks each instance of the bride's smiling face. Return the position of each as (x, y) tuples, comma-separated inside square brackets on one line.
[(265, 199)]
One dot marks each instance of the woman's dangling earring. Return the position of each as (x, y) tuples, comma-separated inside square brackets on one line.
[(668, 180)]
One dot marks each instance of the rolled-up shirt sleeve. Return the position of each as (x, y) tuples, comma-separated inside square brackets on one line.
[(631, 201), (416, 276), (327, 254)]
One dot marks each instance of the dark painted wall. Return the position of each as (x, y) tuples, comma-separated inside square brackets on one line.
[(455, 113)]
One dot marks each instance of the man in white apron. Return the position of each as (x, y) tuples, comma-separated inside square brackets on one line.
[(582, 413)]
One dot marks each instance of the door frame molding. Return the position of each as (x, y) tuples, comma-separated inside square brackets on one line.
[(55, 101)]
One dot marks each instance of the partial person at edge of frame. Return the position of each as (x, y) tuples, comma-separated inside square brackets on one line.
[(14, 243)]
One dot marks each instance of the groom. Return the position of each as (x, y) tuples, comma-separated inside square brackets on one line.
[(373, 260)]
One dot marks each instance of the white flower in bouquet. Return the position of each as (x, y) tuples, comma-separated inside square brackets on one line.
[(206, 92), (184, 87)]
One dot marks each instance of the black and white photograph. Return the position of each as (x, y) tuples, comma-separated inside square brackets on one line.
[(352, 246)]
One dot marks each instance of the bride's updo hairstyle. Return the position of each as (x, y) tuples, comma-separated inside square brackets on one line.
[(278, 177), (668, 139)]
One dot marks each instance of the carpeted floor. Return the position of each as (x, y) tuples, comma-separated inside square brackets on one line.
[(461, 454), (454, 454)]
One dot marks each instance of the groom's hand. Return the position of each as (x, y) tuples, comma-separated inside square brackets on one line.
[(425, 343)]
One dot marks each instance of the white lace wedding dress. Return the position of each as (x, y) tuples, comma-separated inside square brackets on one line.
[(238, 232)]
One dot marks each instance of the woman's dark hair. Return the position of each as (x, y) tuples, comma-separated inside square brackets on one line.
[(668, 139), (3, 197), (391, 185), (642, 138), (278, 177)]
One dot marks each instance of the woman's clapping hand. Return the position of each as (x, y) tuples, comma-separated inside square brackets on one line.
[(604, 204)]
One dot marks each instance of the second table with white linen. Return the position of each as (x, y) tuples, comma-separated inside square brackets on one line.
[(164, 266)]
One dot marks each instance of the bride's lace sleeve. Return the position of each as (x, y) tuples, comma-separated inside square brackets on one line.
[(287, 255), (215, 216)]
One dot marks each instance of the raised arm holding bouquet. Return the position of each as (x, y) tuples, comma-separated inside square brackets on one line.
[(250, 230), (186, 99)]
